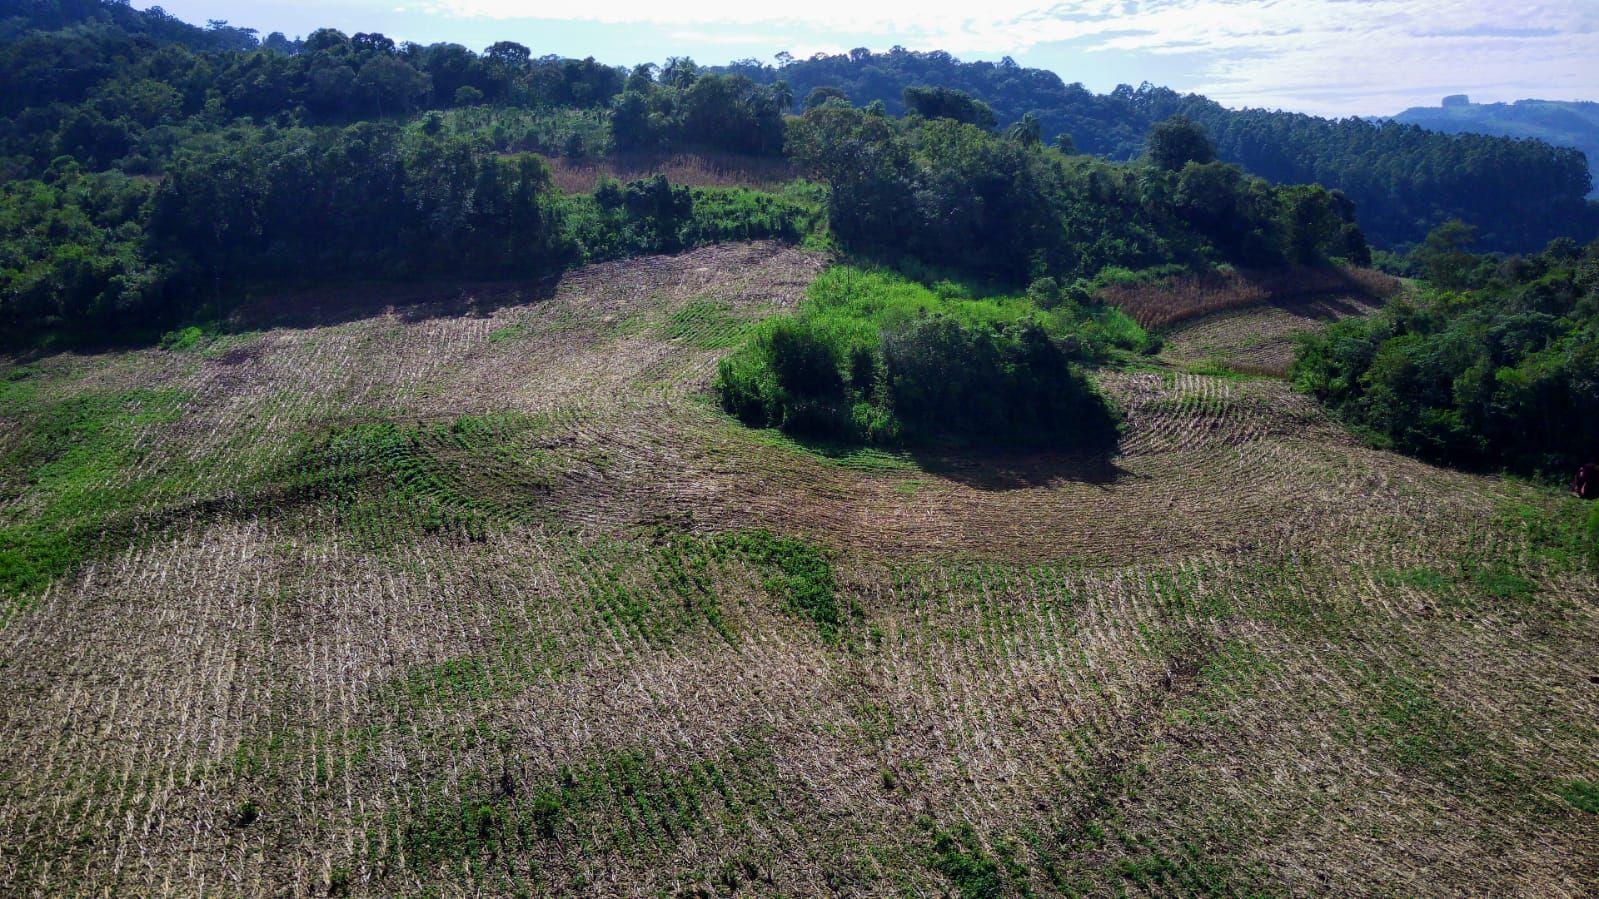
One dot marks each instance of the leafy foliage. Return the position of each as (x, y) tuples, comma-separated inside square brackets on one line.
[(952, 194), (1504, 375), (1563, 123), (692, 110), (1176, 142), (877, 357), (944, 103), (71, 250), (314, 201), (1405, 180), (653, 216)]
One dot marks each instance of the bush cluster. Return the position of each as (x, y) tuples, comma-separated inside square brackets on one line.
[(874, 356), (953, 194), (1505, 375)]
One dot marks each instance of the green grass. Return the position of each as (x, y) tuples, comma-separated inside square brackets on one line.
[(465, 477), (856, 302), (71, 459), (797, 573), (1581, 794), (654, 590), (707, 324), (447, 682), (1429, 735), (957, 854), (183, 340), (1563, 532), (1420, 578), (629, 798), (851, 456)]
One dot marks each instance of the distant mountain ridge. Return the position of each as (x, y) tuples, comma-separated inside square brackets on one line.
[(1563, 123)]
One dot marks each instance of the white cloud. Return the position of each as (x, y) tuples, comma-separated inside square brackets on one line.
[(1305, 53)]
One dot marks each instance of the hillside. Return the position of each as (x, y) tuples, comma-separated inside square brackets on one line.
[(428, 472), (1562, 123), (412, 589), (1404, 180)]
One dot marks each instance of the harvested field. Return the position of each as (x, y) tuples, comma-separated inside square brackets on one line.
[(475, 591), (1259, 339)]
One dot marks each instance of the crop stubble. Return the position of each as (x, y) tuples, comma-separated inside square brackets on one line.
[(1245, 653)]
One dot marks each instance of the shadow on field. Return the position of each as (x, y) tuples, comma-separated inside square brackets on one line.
[(978, 466), (1001, 470), (335, 304), (1325, 308)]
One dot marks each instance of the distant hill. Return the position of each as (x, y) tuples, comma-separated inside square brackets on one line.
[(17, 17), (1404, 180), (1564, 123)]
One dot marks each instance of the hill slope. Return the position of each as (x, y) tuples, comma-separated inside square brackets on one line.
[(1562, 123), (472, 589)]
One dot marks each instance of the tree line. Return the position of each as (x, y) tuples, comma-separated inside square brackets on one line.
[(123, 89), (88, 254), (1495, 366), (951, 193), (1405, 180)]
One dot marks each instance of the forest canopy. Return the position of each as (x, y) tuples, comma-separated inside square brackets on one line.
[(1405, 180), (155, 169), (1498, 370)]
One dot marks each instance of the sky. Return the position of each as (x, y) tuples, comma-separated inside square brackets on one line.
[(1327, 57)]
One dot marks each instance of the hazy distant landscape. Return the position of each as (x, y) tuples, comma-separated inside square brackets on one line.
[(437, 471)]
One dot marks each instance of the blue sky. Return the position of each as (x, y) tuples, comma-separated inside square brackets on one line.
[(1329, 57)]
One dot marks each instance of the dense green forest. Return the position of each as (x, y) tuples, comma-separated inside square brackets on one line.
[(113, 86), (1563, 123), (1405, 180), (1496, 366), (152, 167)]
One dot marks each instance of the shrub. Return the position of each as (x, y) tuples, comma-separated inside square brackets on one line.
[(874, 357), (1501, 377), (1013, 385)]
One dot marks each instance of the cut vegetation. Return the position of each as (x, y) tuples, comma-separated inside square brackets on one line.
[(534, 616)]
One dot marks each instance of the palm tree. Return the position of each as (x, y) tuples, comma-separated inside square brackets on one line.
[(783, 95), (1027, 131)]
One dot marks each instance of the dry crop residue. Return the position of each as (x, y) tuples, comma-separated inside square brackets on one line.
[(1260, 339), (484, 595)]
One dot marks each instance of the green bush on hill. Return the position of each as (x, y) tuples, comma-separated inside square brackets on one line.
[(876, 357), (955, 195), (1504, 375)]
